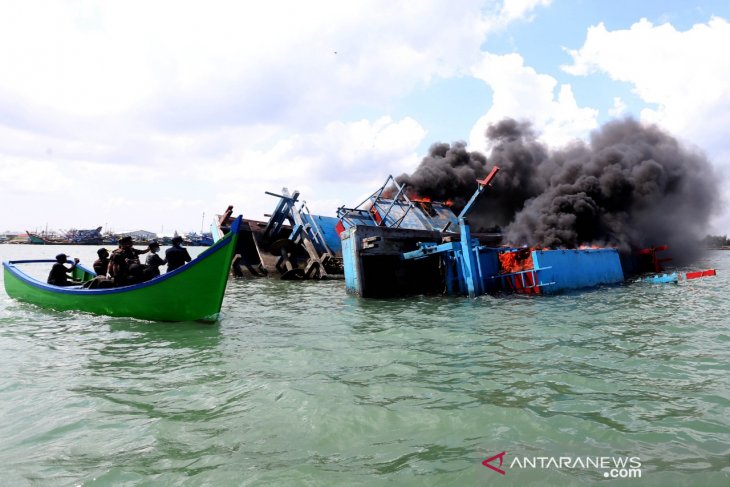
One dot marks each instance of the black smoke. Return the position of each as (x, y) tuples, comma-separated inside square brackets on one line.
[(630, 186), (446, 173)]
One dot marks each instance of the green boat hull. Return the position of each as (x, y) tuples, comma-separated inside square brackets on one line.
[(192, 292)]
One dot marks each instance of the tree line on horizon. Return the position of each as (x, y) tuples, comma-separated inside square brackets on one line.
[(716, 241)]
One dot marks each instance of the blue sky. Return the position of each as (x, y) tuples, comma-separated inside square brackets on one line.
[(164, 111), (542, 41)]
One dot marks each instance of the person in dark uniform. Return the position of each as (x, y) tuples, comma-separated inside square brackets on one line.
[(102, 263), (125, 261), (119, 270), (154, 261), (176, 256), (57, 276), (130, 253)]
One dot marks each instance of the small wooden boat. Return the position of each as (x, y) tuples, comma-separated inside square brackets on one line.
[(192, 292)]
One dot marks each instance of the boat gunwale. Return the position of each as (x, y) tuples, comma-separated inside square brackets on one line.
[(10, 266)]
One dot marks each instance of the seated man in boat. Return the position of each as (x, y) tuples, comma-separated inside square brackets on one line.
[(131, 268), (101, 267), (102, 263), (176, 256), (58, 276), (119, 271), (154, 261)]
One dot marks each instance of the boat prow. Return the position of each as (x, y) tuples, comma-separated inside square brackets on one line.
[(192, 292)]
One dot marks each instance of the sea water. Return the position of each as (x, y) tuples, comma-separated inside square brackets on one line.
[(302, 384)]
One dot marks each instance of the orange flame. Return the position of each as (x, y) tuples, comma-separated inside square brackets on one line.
[(516, 261), (418, 199), (376, 215)]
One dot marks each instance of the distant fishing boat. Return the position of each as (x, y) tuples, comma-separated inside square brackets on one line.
[(35, 239), (45, 238), (85, 237), (202, 240), (192, 292)]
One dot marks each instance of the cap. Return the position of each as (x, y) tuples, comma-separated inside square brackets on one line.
[(154, 243), (61, 256), (126, 239), (177, 239)]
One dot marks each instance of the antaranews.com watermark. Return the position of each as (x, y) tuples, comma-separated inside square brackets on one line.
[(611, 467)]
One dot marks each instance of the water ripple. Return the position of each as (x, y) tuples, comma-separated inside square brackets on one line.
[(301, 384)]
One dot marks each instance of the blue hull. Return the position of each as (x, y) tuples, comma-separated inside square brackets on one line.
[(388, 262)]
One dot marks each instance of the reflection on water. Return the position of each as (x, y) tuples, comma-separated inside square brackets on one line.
[(300, 383)]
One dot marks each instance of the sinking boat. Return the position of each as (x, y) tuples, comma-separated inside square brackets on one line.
[(395, 246), (191, 292), (293, 244)]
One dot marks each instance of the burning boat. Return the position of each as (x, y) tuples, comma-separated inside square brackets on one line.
[(394, 247)]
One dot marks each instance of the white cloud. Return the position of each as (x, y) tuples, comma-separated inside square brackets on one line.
[(522, 93), (341, 151), (517, 9), (37, 176), (619, 108), (502, 14), (684, 74), (111, 58), (166, 109), (343, 158)]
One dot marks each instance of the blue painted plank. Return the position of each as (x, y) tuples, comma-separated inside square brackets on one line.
[(575, 269)]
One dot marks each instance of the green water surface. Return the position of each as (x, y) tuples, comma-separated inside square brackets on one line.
[(301, 384)]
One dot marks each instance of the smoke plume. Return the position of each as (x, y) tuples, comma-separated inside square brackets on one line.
[(630, 186)]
